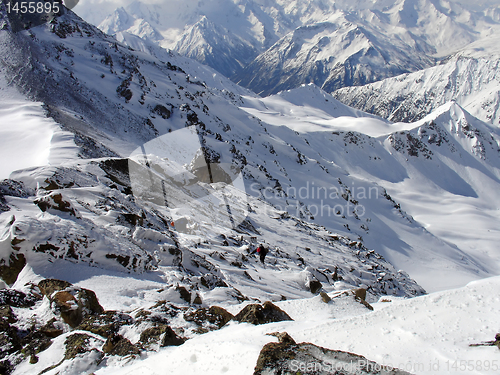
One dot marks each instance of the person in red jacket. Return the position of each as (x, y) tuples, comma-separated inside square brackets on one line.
[(262, 251)]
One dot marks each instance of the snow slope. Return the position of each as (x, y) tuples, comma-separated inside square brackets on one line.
[(29, 138), (424, 335), (439, 169)]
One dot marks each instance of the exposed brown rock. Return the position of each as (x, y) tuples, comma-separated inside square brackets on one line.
[(214, 315), (49, 286), (10, 270), (118, 345), (325, 297), (288, 357), (262, 314)]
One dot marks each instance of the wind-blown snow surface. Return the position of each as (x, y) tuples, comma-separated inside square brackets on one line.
[(424, 335), (29, 138)]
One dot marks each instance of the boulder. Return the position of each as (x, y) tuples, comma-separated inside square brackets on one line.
[(360, 293), (7, 315), (314, 286), (49, 286), (50, 330), (72, 303), (120, 346), (325, 297), (9, 270), (262, 314), (16, 298), (170, 338), (154, 335), (77, 343), (213, 316), (288, 357)]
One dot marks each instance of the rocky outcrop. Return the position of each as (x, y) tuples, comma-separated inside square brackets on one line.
[(55, 201), (161, 333), (120, 346), (214, 317), (16, 298), (9, 270), (288, 357), (261, 314), (106, 324), (72, 303), (314, 286)]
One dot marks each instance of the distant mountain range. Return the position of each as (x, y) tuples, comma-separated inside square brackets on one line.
[(275, 45)]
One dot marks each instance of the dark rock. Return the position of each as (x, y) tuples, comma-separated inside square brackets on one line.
[(9, 339), (197, 300), (105, 324), (118, 345), (288, 357), (315, 286), (214, 315), (50, 330), (162, 111), (153, 334), (34, 343), (184, 293), (56, 201), (262, 314), (170, 338), (360, 293), (6, 314), (77, 343), (11, 269), (6, 367), (16, 298)]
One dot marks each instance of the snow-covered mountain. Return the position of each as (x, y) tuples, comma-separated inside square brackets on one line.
[(130, 187), (275, 45), (332, 55), (470, 77)]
